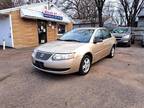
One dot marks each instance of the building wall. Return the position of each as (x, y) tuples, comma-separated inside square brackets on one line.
[(85, 25), (24, 31), (141, 22), (69, 26), (52, 32)]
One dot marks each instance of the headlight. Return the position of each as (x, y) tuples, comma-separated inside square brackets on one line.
[(126, 37), (61, 56), (34, 52)]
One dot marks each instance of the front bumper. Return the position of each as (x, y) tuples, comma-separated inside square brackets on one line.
[(57, 67), (122, 41)]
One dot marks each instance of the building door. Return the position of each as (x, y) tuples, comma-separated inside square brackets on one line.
[(42, 31), (5, 30)]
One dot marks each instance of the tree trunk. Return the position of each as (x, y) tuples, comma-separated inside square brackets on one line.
[(133, 22), (129, 23), (100, 18)]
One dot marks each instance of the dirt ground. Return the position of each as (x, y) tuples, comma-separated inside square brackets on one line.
[(111, 83)]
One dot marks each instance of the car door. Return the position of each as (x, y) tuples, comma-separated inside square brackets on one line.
[(107, 41), (98, 48)]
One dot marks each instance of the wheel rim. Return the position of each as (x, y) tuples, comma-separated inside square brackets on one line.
[(112, 52), (86, 65)]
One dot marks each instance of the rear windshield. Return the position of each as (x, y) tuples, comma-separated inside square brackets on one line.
[(120, 30)]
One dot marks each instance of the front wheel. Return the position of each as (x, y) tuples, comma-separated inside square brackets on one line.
[(85, 65), (129, 43), (112, 52)]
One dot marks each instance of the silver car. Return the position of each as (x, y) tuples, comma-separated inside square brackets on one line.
[(124, 35), (142, 41), (75, 51)]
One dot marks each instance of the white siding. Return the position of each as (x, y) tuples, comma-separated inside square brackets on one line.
[(5, 31)]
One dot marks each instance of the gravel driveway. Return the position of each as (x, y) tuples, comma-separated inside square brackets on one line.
[(111, 83)]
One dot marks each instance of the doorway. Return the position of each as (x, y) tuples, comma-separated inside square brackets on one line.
[(6, 30), (42, 31)]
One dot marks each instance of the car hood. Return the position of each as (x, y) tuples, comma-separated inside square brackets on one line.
[(60, 47)]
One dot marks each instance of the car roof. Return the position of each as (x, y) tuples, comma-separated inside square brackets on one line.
[(95, 28)]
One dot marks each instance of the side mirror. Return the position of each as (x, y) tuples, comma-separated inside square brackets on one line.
[(97, 40)]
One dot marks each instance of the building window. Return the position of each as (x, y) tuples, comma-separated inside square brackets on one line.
[(61, 29)]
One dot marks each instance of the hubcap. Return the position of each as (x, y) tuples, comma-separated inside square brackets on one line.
[(86, 65), (112, 52)]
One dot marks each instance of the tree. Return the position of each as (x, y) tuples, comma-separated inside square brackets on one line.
[(19, 2), (131, 9), (80, 9), (6, 4), (116, 12), (100, 5)]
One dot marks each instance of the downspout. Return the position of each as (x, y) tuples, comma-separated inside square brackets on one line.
[(11, 28)]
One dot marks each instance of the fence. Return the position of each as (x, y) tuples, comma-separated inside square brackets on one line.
[(138, 32)]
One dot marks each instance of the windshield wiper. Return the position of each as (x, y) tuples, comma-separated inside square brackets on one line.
[(72, 40)]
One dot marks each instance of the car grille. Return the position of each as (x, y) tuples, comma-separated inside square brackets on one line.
[(118, 39), (43, 56)]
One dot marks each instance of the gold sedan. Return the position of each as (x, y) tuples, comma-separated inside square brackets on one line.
[(75, 51)]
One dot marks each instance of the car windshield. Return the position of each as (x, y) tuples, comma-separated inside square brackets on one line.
[(78, 35), (120, 30)]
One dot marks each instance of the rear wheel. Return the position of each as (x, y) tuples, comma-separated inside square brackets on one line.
[(133, 41), (112, 52), (142, 44), (85, 65)]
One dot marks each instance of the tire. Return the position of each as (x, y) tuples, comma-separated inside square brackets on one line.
[(112, 52), (142, 44), (129, 44), (85, 65), (133, 41)]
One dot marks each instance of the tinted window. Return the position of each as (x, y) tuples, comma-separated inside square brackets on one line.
[(81, 35), (106, 34)]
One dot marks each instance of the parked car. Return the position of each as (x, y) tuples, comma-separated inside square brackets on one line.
[(124, 35), (142, 41), (75, 51)]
